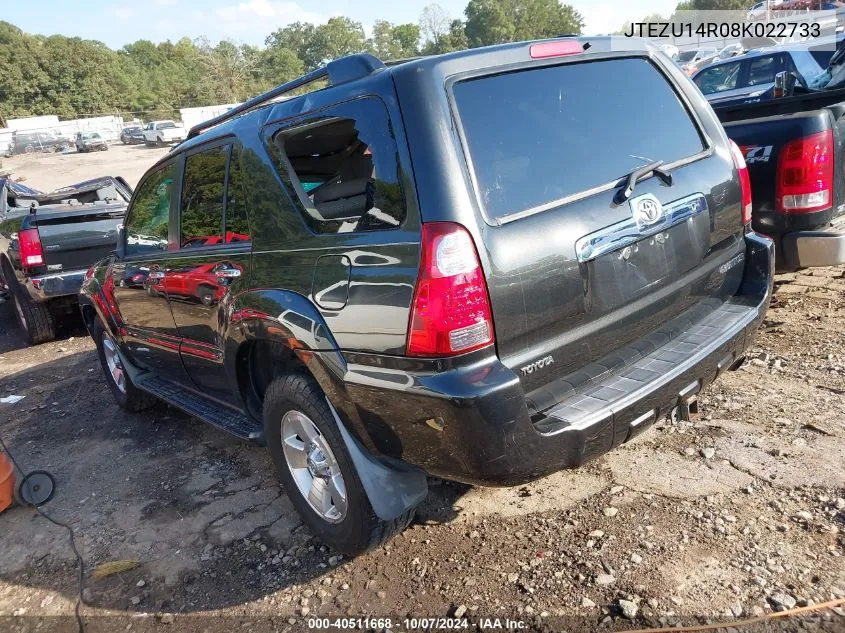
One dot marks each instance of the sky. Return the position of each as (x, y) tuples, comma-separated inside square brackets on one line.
[(117, 22)]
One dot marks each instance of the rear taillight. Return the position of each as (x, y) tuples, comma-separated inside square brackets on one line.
[(451, 309), (805, 174), (29, 243), (744, 182)]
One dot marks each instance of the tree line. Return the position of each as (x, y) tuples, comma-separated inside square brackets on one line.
[(74, 78)]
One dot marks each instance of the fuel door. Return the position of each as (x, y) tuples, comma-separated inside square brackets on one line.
[(330, 285)]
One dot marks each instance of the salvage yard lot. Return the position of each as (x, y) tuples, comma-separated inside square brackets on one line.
[(737, 514), (51, 171)]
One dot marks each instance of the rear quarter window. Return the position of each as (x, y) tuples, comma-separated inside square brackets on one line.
[(345, 161), (540, 135)]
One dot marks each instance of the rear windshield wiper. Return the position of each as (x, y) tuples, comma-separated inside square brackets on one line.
[(654, 167)]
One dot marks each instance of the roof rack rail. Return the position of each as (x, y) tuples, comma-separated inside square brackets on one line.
[(337, 72), (402, 60)]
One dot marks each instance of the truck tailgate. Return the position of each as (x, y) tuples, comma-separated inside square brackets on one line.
[(76, 236), (761, 141)]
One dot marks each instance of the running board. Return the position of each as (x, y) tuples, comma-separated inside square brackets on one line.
[(193, 404)]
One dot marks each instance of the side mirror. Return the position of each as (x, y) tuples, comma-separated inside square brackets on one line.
[(120, 247), (784, 84)]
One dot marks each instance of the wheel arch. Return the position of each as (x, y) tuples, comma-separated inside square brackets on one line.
[(283, 331), (270, 323)]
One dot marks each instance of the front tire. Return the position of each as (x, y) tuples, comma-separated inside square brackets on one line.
[(316, 470), (34, 318), (125, 393)]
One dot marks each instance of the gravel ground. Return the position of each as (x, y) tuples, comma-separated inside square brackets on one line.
[(737, 515), (51, 171)]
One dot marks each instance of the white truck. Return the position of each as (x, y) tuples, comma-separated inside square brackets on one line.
[(163, 133)]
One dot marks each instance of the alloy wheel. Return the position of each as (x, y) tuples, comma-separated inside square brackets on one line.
[(114, 364), (314, 467)]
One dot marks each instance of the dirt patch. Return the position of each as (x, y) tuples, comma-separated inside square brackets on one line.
[(739, 513), (51, 171)]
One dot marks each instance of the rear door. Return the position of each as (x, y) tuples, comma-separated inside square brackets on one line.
[(574, 271), (211, 265)]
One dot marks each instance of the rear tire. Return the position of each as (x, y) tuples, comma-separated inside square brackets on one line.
[(34, 318), (125, 393), (348, 525)]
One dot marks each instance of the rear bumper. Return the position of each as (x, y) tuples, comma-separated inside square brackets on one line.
[(819, 247), (473, 424), (44, 287)]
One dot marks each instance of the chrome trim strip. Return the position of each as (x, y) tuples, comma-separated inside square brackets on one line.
[(626, 232)]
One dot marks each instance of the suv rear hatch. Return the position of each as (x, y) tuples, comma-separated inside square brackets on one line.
[(579, 281)]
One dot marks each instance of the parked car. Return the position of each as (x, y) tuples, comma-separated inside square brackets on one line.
[(753, 73), (452, 294), (31, 142), (132, 134), (760, 10), (688, 59), (48, 241), (90, 142), (163, 133), (786, 8)]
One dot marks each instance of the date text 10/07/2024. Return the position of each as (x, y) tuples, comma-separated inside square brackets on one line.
[(413, 624), (656, 30)]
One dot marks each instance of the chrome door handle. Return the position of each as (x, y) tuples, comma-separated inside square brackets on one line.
[(227, 273)]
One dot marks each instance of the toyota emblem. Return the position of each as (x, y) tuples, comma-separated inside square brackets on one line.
[(646, 210)]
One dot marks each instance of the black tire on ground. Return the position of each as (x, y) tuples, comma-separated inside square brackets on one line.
[(34, 318), (130, 398), (360, 529)]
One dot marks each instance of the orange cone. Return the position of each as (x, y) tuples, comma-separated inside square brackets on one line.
[(7, 482)]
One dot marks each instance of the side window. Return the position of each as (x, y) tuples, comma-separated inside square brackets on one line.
[(237, 220), (718, 78), (202, 198), (342, 168), (148, 217), (762, 70)]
